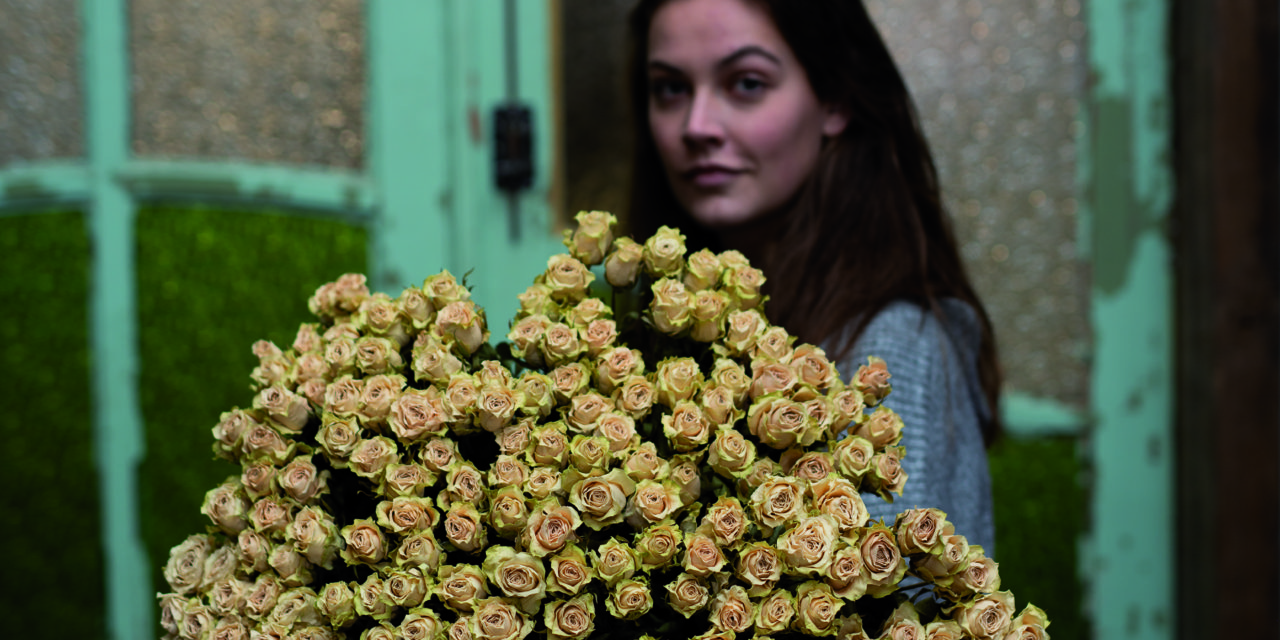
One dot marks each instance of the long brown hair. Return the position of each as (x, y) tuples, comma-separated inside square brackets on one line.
[(868, 227)]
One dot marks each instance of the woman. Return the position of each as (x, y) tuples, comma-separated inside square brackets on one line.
[(784, 130)]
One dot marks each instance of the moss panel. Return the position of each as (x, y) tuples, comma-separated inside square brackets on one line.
[(1040, 516), (211, 282), (50, 498)]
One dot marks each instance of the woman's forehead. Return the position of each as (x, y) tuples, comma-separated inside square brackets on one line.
[(709, 31)]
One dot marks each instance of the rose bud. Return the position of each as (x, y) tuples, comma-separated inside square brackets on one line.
[(731, 610), (600, 497), (379, 394), (709, 311), (762, 469), (904, 624), (551, 526), (677, 379), (526, 336), (404, 588), (614, 561), (686, 427), (459, 587), (588, 311), (618, 431), (687, 594), (702, 556), (253, 549), (227, 506), (990, 616), (813, 466), (419, 550), (307, 339), (883, 428), (262, 597), (442, 289), (538, 396), (314, 535), (460, 629), (664, 253), (725, 522), (417, 415), (340, 355), (286, 408), (406, 480), (954, 555), (672, 306), (432, 361), (369, 600), (342, 396), (887, 475), (921, 531), (569, 380), (312, 366), (232, 426), (652, 502), (337, 603), (378, 355), (439, 454), (382, 315), (809, 546), (497, 619), (549, 444), (839, 498), (623, 262), (513, 441), (571, 620), (882, 562), (743, 286), (630, 599), (365, 543), (950, 630), (372, 456), (635, 396), (685, 477), (517, 575), (407, 515), (341, 331), (615, 366), (777, 500), (760, 567), (543, 482), (464, 527), (730, 454), (775, 613), (569, 571), (302, 481), (599, 335), (561, 343), (657, 545), (338, 438), (296, 607), (872, 380), (781, 423), (510, 512), (567, 277), (420, 624), (645, 464), (590, 241), (414, 307), (816, 609), (771, 377)]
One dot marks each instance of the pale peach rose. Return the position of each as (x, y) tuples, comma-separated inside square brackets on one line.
[(230, 628), (774, 345), (588, 453), (417, 415), (883, 428), (677, 379), (726, 522), (227, 506), (509, 514), (464, 482), (508, 471), (314, 535), (671, 307), (406, 480), (342, 396), (742, 329), (567, 277), (848, 406), (623, 262), (338, 437), (702, 556), (709, 311), (720, 405), (226, 597), (853, 456), (197, 621), (526, 335), (383, 318), (262, 597), (568, 380), (850, 628), (307, 339), (571, 620), (313, 391), (687, 594), (369, 600), (904, 624), (839, 498), (809, 546), (731, 610), (646, 464), (381, 631), (657, 545), (569, 571), (813, 367), (407, 515), (887, 475), (759, 566), (686, 478), (816, 609), (630, 599), (311, 366), (730, 454), (686, 427), (619, 431), (561, 343), (371, 456), (220, 565), (664, 252), (420, 624), (702, 271), (921, 531), (781, 423), (286, 408), (377, 396), (271, 515), (821, 411), (882, 562), (615, 366), (588, 311), (950, 630), (296, 607), (551, 527), (872, 380), (1028, 625), (378, 355), (340, 331), (415, 308), (743, 285), (439, 454), (497, 619), (813, 466), (464, 527), (253, 548), (536, 300), (990, 616), (497, 406), (465, 322), (419, 550), (460, 396), (954, 555), (980, 575), (443, 289), (762, 469), (459, 587), (538, 395), (337, 603), (585, 410), (635, 396), (775, 612), (460, 629), (432, 360), (405, 588), (301, 480), (365, 543), (844, 576), (653, 502), (599, 336), (340, 353), (232, 426), (590, 241), (543, 482), (777, 500), (549, 444), (614, 561)]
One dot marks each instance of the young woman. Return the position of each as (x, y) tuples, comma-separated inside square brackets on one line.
[(784, 130)]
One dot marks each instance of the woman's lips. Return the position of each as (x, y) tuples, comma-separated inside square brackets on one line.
[(711, 176)]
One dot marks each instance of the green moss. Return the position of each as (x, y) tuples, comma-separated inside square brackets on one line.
[(1040, 515), (211, 282), (50, 502)]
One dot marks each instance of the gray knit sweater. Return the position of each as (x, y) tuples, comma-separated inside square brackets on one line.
[(936, 390)]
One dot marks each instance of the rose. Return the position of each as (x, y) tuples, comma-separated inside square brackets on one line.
[(379, 393), (630, 599), (813, 466), (442, 289), (293, 569), (342, 396), (381, 631), (731, 610), (296, 607), (432, 361), (687, 594), (652, 502), (536, 300), (538, 398), (987, 617), (414, 306), (507, 471), (719, 405), (307, 338), (883, 428), (314, 535), (571, 620), (657, 545), (406, 514), (904, 624), (569, 571), (312, 366), (702, 556), (848, 406), (549, 445), (585, 410), (262, 597), (774, 345), (635, 396), (560, 343), (567, 277), (588, 452), (338, 437), (464, 527), (777, 500), (461, 586), (755, 476), (844, 576), (816, 609), (197, 621), (464, 482), (954, 554), (225, 596), (406, 479), (775, 612), (302, 481), (600, 497), (568, 380), (686, 478), (591, 240), (614, 562), (809, 546), (851, 628), (227, 506), (525, 336), (439, 454), (460, 629), (510, 513), (813, 367), (672, 306), (950, 630), (551, 526), (730, 375), (497, 619), (622, 264), (677, 379), (253, 548), (645, 464), (771, 377), (742, 329), (1028, 625), (599, 335), (615, 366), (839, 498), (416, 414), (781, 423), (821, 411), (887, 474), (686, 427), (231, 426), (980, 575), (372, 456), (230, 628), (588, 311), (853, 456), (618, 430), (405, 588), (365, 543), (340, 355), (420, 624), (543, 482), (287, 408), (378, 355), (369, 600), (759, 566), (702, 271), (465, 322), (872, 380), (383, 317), (920, 531), (709, 310), (664, 252), (271, 515), (725, 522), (273, 366), (220, 565), (419, 550), (882, 563)]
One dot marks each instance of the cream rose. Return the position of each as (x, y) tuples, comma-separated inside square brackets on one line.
[(677, 379), (731, 610), (590, 241), (781, 423), (853, 456), (686, 427), (307, 339), (415, 308), (730, 454), (568, 380), (777, 500), (263, 443), (271, 515), (584, 411), (338, 437), (567, 277), (883, 428), (405, 588), (543, 482), (760, 567), (687, 594), (618, 431), (439, 454), (844, 576), (464, 482), (630, 599), (635, 396), (465, 322), (990, 616), (775, 613), (645, 464), (365, 543), (702, 556), (652, 502), (663, 253), (526, 335), (371, 457), (550, 446), (406, 480), (726, 522), (286, 408), (419, 550), (882, 562), (921, 531), (551, 527), (808, 547), (497, 619), (771, 377), (839, 498), (510, 512), (416, 415), (232, 425), (378, 355), (407, 515), (816, 609), (709, 310), (185, 568), (420, 624), (368, 600), (600, 497), (887, 474), (657, 545), (742, 329), (569, 571), (672, 306), (315, 536), (432, 361), (623, 263), (459, 587), (514, 439), (813, 466), (872, 380), (615, 366), (702, 271), (464, 527), (571, 620), (613, 562), (227, 506), (253, 548), (302, 481), (262, 597), (743, 285)]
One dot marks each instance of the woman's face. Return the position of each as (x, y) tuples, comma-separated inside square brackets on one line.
[(733, 116)]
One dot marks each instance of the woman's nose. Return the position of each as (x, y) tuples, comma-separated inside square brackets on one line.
[(702, 125)]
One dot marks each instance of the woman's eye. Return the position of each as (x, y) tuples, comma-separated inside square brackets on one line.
[(665, 89), (748, 86)]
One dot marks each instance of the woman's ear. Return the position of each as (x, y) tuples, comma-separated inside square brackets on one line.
[(835, 121)]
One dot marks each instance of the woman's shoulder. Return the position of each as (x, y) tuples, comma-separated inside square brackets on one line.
[(903, 324)]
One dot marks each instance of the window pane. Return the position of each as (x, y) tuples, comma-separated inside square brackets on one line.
[(41, 111), (279, 80)]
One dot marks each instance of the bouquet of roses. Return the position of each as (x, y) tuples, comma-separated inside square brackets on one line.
[(644, 457)]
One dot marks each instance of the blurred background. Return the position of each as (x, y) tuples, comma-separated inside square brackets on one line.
[(178, 176)]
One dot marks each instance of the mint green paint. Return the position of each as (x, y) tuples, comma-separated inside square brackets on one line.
[(343, 193), (408, 133), (117, 417), (1126, 174), (42, 184), (1027, 416)]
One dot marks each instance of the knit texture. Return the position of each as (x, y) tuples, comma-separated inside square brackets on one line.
[(937, 392)]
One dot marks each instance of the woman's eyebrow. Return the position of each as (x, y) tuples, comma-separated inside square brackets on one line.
[(746, 51)]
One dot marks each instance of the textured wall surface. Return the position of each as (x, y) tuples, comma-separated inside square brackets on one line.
[(279, 81), (41, 109)]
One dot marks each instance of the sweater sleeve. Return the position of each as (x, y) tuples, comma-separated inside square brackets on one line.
[(935, 390)]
